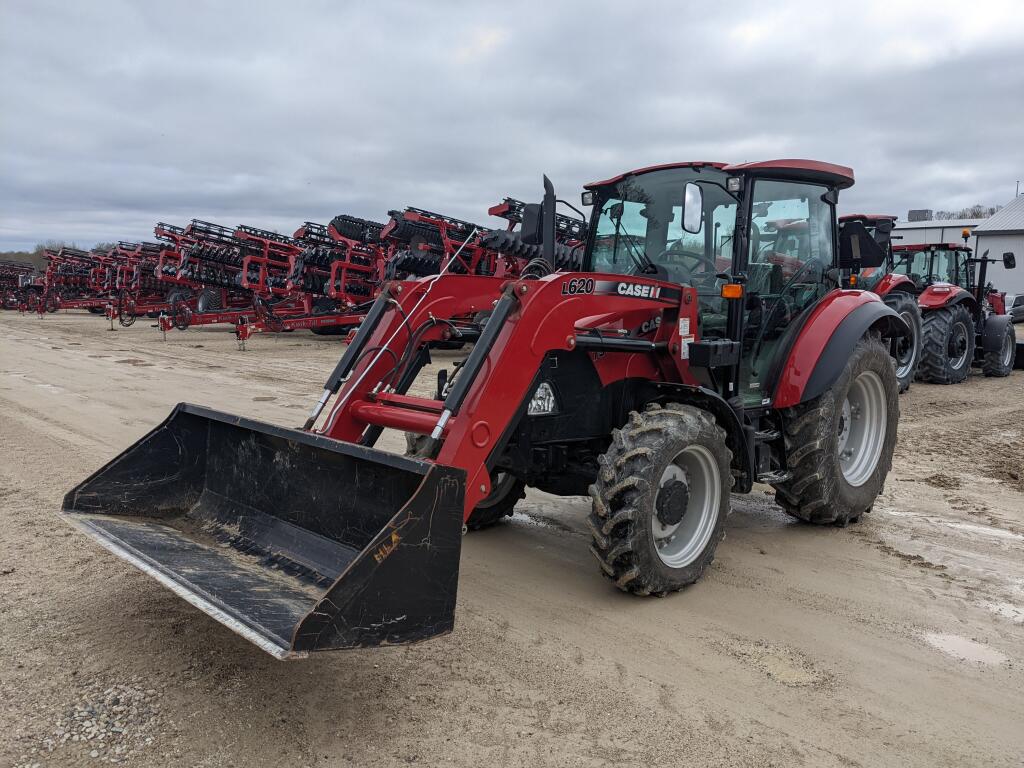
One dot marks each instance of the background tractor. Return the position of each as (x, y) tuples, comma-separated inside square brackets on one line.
[(651, 379), (964, 318)]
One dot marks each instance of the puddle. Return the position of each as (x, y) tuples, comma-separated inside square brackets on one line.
[(133, 361), (986, 530), (1007, 611), (264, 399), (964, 649)]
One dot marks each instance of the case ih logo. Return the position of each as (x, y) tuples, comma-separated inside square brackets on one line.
[(638, 290)]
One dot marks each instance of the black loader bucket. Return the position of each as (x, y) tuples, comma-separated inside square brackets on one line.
[(296, 542)]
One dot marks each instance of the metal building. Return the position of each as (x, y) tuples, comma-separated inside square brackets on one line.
[(941, 231), (1003, 232)]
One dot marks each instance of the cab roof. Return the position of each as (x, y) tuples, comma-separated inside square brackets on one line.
[(867, 217), (926, 246), (651, 168), (801, 170)]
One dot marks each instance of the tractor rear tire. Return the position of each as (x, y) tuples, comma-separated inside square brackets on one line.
[(907, 350), (947, 348), (833, 480), (506, 491), (1000, 362), (665, 477)]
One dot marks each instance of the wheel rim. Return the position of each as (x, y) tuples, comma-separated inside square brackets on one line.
[(680, 544), (957, 349), (1008, 344), (906, 348), (862, 425)]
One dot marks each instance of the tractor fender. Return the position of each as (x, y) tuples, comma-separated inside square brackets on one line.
[(993, 332), (998, 301), (737, 439), (826, 342), (894, 282), (942, 295)]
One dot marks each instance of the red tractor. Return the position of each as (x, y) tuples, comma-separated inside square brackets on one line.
[(964, 318), (651, 379), (897, 290)]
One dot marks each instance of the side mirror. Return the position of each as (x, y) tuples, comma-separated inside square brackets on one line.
[(857, 248), (693, 208), (1009, 261)]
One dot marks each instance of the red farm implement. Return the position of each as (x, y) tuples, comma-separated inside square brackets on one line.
[(257, 280), (138, 284), (17, 281), (77, 279), (647, 377)]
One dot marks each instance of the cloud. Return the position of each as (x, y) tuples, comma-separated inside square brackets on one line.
[(118, 115)]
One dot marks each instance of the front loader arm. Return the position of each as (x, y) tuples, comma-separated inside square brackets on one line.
[(530, 319)]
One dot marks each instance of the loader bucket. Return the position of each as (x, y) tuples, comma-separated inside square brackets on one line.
[(295, 541)]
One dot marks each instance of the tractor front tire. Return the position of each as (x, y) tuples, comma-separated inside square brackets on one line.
[(999, 362), (948, 345), (506, 491), (660, 499), (906, 349), (839, 445)]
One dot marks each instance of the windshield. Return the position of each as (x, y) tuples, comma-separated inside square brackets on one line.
[(931, 266), (638, 228)]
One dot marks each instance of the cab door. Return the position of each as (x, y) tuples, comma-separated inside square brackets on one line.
[(791, 250)]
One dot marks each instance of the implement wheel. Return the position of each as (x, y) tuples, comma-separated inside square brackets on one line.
[(839, 446), (181, 314), (661, 499), (125, 309)]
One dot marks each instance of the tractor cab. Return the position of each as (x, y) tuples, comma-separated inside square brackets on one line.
[(758, 242), (944, 264)]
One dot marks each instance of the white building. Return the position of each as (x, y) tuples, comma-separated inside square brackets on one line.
[(938, 231), (1003, 232)]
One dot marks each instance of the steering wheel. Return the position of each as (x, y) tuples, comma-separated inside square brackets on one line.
[(672, 258)]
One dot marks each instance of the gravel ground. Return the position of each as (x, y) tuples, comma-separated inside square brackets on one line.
[(899, 641)]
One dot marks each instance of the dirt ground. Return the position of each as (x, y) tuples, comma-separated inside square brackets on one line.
[(898, 641)]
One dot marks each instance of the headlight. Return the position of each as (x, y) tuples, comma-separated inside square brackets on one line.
[(543, 402)]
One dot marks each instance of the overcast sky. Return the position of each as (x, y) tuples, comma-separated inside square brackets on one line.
[(114, 115)]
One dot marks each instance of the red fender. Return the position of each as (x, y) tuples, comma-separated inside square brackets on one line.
[(998, 301), (893, 282), (939, 295), (812, 340)]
